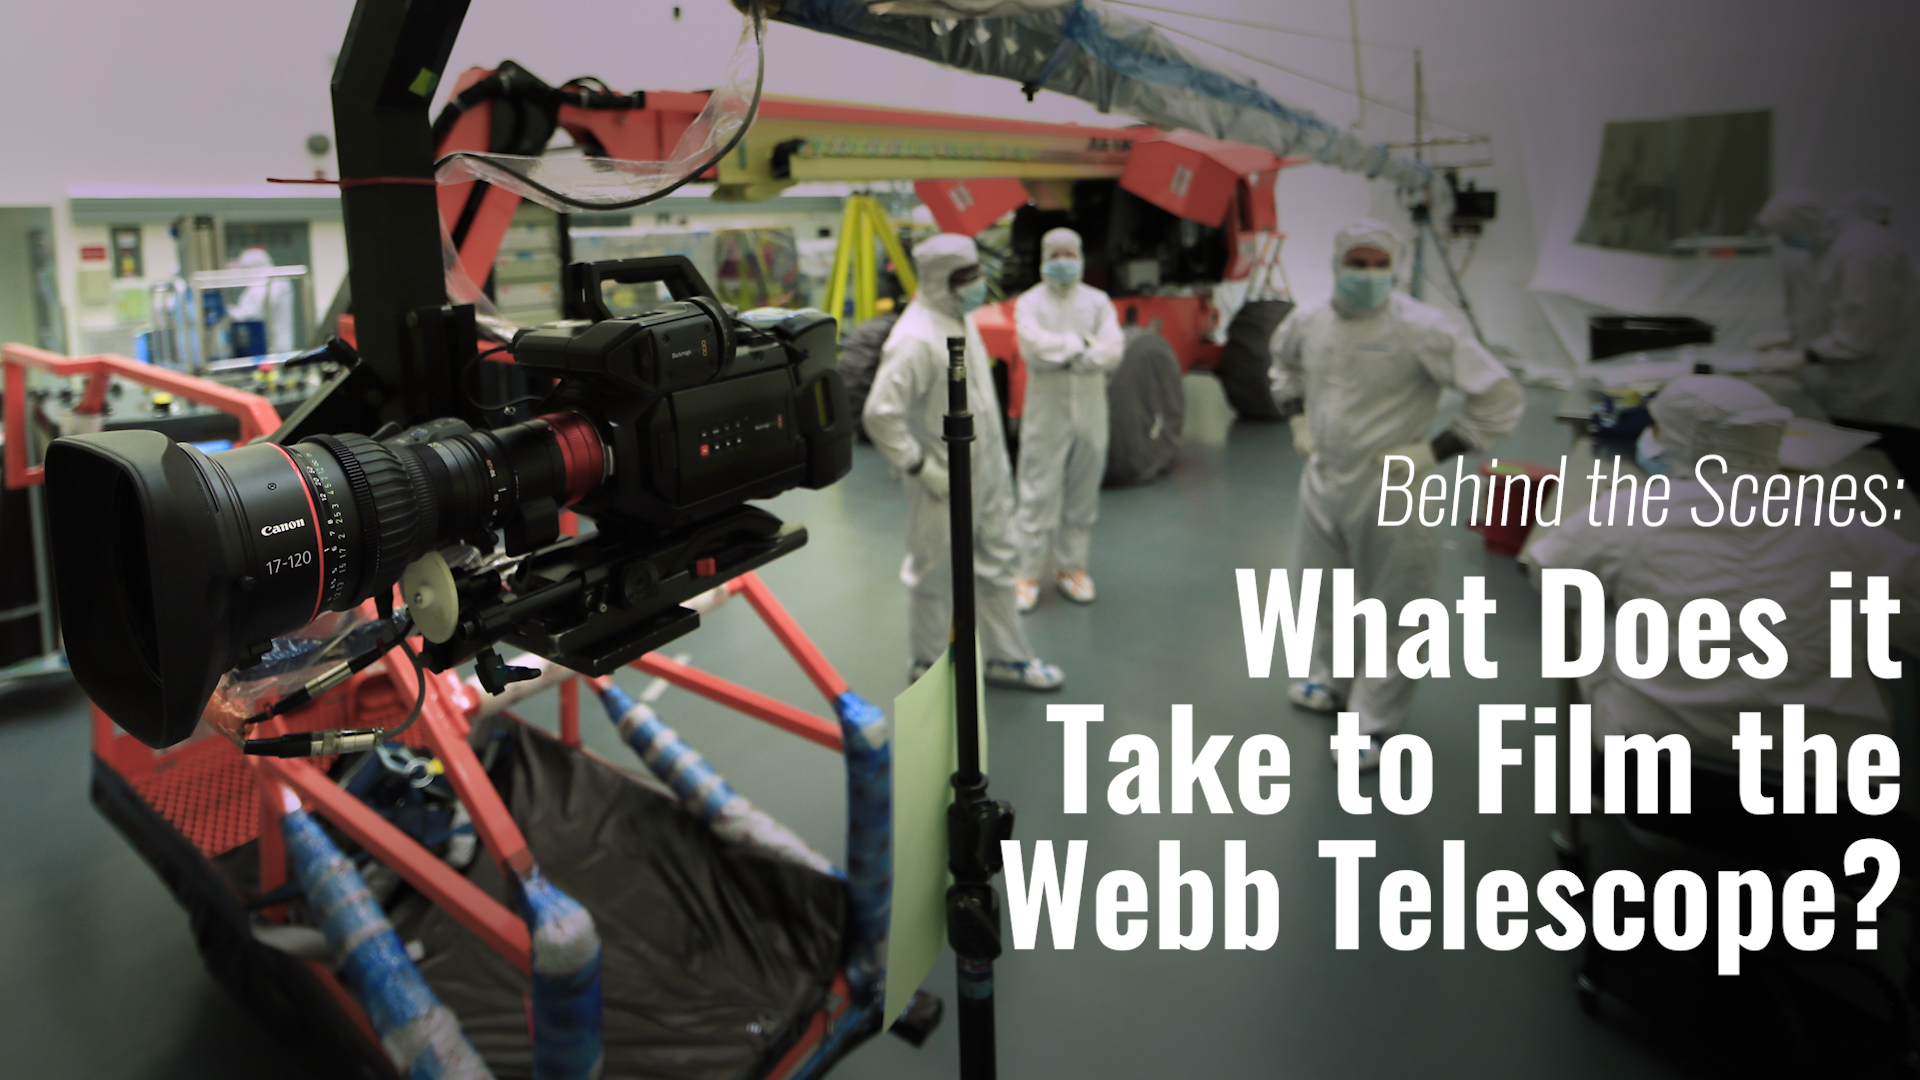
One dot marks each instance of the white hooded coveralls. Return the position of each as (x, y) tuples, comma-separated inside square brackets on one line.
[(903, 416), (1070, 342), (270, 302), (1796, 212), (1870, 335), (1370, 384)]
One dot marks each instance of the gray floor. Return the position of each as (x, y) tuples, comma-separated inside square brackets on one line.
[(99, 978)]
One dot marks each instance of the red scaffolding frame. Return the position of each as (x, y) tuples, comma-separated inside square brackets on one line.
[(219, 798)]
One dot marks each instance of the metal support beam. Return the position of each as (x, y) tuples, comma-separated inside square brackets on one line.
[(389, 66)]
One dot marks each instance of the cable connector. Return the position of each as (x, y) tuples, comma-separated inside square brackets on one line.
[(328, 743)]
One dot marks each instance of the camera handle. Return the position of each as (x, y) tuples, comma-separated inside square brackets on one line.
[(584, 300), (975, 823)]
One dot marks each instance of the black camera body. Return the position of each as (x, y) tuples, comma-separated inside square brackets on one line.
[(172, 566), (700, 411)]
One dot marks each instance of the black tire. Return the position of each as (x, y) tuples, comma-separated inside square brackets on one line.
[(860, 359), (1245, 363), (1146, 411)]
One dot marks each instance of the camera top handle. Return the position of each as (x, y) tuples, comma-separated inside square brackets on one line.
[(583, 296)]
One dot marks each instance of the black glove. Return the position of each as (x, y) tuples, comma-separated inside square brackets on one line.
[(1447, 444)]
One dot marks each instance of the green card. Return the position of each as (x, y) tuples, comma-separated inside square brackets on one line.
[(925, 753)]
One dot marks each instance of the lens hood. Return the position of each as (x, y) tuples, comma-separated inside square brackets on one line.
[(139, 576)]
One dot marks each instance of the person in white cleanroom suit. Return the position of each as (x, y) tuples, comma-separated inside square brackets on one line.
[(1070, 341), (1853, 312), (903, 416), (270, 301), (1360, 377), (1864, 366), (1679, 561), (1799, 219)]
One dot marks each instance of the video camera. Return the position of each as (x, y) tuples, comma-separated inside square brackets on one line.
[(173, 566)]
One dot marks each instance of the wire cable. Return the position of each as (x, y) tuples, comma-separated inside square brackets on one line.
[(333, 740), (468, 387), (419, 691), (419, 701)]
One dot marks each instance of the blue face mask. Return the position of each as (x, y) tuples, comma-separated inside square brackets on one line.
[(1363, 290), (972, 294), (1797, 241), (1062, 271), (1649, 455)]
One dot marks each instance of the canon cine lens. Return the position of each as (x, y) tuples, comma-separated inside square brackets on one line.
[(173, 565)]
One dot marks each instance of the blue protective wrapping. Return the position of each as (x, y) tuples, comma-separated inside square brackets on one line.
[(866, 742), (1098, 54), (566, 983), (700, 786), (420, 1035)]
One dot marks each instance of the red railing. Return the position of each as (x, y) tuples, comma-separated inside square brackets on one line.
[(256, 414)]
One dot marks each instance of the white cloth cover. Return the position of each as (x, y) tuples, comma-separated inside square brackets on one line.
[(1699, 415), (1679, 561), (934, 261)]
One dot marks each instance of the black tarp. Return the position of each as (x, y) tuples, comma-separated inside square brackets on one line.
[(281, 993), (713, 956), (1146, 410)]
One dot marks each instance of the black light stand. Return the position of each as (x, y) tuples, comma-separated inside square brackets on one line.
[(975, 823)]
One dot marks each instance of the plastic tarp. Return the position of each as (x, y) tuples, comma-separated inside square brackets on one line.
[(567, 183), (713, 955), (1118, 63)]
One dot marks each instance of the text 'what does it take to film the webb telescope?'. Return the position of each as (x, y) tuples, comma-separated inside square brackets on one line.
[(1048, 885)]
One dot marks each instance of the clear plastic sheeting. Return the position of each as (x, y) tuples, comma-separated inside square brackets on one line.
[(290, 663), (1087, 50), (568, 183), (461, 289)]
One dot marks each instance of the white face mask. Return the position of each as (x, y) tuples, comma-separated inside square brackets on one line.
[(972, 294), (1062, 269), (1363, 290)]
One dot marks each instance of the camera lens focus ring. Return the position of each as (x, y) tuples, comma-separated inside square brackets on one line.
[(384, 492), (426, 518)]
